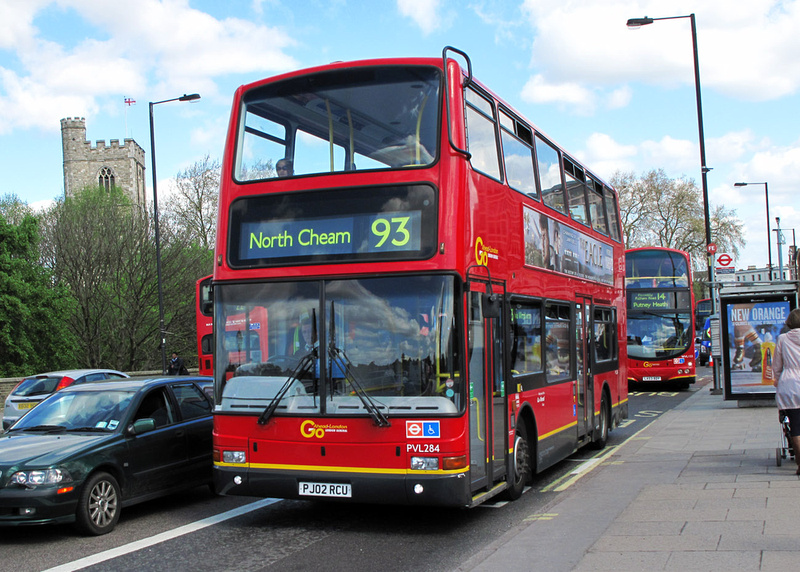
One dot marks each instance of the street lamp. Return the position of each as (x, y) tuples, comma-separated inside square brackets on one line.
[(161, 328), (769, 233), (635, 23), (780, 241)]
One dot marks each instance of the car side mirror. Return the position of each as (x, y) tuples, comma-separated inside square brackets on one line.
[(141, 426)]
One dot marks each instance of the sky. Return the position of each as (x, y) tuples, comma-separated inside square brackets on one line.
[(615, 98)]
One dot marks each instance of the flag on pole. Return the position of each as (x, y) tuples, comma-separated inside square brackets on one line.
[(130, 101)]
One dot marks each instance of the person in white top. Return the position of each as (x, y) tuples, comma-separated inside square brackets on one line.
[(786, 369)]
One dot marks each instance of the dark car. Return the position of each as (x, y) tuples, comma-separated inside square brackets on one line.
[(89, 450), (33, 389)]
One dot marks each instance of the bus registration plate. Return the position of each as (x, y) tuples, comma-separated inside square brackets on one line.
[(651, 378), (340, 490)]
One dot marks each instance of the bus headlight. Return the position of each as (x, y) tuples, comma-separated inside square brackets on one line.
[(234, 457), (424, 463)]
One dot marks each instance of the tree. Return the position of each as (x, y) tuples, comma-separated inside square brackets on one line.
[(14, 209), (659, 211), (34, 336), (101, 247), (193, 204)]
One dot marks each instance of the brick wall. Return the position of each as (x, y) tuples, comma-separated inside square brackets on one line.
[(6, 385)]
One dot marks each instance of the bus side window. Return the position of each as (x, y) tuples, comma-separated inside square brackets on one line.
[(549, 175), (597, 209), (526, 344), (558, 340), (518, 155), (482, 135), (604, 335), (576, 191), (611, 212)]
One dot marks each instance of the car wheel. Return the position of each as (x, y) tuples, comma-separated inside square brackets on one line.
[(99, 505), (601, 435), (521, 464)]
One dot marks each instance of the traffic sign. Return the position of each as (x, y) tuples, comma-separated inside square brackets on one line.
[(711, 248), (724, 267)]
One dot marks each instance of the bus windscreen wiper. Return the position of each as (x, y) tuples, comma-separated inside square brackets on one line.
[(305, 366), (340, 358)]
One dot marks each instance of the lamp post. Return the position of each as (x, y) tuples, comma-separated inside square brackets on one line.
[(769, 233), (161, 328), (635, 23), (780, 241)]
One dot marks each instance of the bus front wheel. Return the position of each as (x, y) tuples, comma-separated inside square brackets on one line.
[(521, 463)]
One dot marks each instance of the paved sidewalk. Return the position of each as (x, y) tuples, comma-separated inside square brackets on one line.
[(698, 489)]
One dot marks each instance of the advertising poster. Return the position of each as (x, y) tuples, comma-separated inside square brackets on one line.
[(749, 344), (554, 246)]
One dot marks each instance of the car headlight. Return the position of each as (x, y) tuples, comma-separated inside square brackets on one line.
[(42, 477)]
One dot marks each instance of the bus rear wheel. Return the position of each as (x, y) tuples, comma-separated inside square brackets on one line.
[(601, 433), (521, 464)]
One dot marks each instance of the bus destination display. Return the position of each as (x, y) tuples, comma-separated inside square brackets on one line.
[(657, 300), (395, 222), (364, 233)]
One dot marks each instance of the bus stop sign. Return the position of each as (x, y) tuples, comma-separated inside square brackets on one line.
[(711, 248), (725, 268)]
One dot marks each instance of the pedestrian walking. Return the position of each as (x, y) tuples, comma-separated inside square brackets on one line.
[(786, 370)]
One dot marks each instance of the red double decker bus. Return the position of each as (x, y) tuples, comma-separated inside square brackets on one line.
[(443, 286), (205, 326), (660, 316)]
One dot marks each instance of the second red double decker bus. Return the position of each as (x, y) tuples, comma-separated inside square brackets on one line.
[(660, 316), (205, 326), (442, 287)]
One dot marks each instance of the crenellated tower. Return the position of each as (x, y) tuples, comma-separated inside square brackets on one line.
[(105, 165)]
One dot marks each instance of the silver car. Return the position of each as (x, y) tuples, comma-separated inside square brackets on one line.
[(35, 388)]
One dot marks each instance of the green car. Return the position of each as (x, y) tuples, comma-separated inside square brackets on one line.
[(89, 450)]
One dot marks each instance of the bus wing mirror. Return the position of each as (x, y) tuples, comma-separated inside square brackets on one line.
[(491, 306)]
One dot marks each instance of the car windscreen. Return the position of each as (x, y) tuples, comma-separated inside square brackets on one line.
[(78, 410)]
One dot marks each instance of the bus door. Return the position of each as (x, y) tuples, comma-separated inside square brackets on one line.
[(487, 410), (584, 391)]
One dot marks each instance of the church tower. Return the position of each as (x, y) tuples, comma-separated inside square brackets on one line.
[(113, 165)]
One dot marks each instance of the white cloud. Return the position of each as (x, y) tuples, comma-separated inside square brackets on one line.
[(16, 22), (184, 48), (730, 147), (673, 155), (619, 97), (422, 12), (748, 53), (539, 90), (606, 156)]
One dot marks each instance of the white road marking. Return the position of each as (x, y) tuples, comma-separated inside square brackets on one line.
[(158, 538)]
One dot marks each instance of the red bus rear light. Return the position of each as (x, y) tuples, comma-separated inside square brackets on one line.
[(65, 381), (451, 463)]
